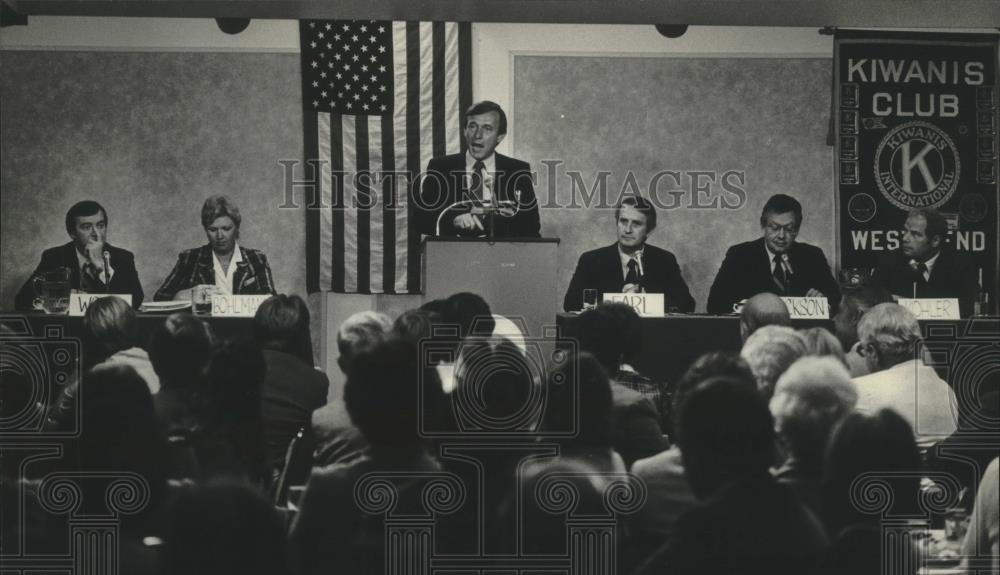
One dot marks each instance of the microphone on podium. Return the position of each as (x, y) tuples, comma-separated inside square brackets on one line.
[(107, 270)]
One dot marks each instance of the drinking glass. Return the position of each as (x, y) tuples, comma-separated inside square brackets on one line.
[(52, 291), (589, 299)]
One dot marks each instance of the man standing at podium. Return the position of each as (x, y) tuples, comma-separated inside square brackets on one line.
[(775, 263), (469, 194), (630, 265)]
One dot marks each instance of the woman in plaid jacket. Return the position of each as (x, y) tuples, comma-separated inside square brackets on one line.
[(223, 265)]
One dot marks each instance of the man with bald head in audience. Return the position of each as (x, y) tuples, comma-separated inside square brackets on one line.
[(760, 310), (337, 438)]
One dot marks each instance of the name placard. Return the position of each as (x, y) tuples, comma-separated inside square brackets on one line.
[(645, 304), (931, 308), (79, 302), (224, 305), (808, 307)]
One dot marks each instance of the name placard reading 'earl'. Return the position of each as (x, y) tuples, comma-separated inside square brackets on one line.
[(931, 308), (645, 304), (236, 305), (808, 307), (79, 302)]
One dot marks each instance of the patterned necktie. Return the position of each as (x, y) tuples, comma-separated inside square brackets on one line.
[(919, 272), (779, 273), (476, 189), (632, 277)]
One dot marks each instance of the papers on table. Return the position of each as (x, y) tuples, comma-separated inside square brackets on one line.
[(164, 306)]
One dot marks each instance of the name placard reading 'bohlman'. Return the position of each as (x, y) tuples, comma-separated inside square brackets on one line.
[(236, 305), (916, 119)]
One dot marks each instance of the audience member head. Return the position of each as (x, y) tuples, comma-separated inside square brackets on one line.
[(470, 313), (707, 366), (725, 433), (760, 310), (599, 333), (810, 398), (179, 350), (881, 445), (578, 397), (415, 325), (360, 333), (889, 335), (543, 484), (110, 322), (769, 351), (433, 306), (854, 304), (631, 328), (495, 387), (282, 324), (821, 343), (384, 391), (224, 527)]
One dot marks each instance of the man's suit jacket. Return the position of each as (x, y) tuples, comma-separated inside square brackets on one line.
[(445, 183), (953, 275), (125, 278), (601, 269), (197, 267), (290, 393), (746, 272)]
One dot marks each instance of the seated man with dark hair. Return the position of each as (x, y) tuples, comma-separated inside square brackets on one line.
[(746, 522), (94, 265), (292, 388)]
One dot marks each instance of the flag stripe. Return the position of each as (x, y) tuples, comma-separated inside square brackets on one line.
[(338, 207), (450, 91), (376, 218), (402, 66), (389, 207), (325, 213), (312, 201), (350, 194), (437, 88), (362, 203), (414, 163), (464, 58)]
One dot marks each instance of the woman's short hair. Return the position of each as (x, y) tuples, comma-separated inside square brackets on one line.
[(179, 350), (821, 343), (810, 398), (111, 322), (218, 206)]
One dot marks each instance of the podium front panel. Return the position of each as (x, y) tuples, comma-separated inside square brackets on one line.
[(516, 277)]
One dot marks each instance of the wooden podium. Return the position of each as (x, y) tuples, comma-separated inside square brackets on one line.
[(516, 276)]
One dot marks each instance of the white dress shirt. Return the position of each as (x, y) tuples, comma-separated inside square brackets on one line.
[(224, 277)]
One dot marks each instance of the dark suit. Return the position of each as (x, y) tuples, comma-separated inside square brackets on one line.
[(747, 270), (601, 269), (635, 425), (197, 267), (953, 275), (445, 183), (290, 393), (125, 278)]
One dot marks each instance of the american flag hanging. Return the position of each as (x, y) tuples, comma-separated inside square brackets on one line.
[(379, 98)]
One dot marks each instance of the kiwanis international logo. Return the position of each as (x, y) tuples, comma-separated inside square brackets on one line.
[(917, 166)]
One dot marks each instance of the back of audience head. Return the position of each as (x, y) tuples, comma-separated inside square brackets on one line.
[(384, 391), (578, 397), (810, 398), (224, 527), (110, 321), (538, 481), (821, 343), (470, 313), (769, 351), (761, 310), (631, 328), (495, 384), (725, 433), (282, 324), (599, 333), (853, 305), (888, 335), (416, 325), (881, 444), (360, 333), (707, 366), (179, 350)]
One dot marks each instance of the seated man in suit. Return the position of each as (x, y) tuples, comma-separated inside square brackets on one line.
[(775, 263), (925, 267), (483, 180), (630, 265), (95, 265)]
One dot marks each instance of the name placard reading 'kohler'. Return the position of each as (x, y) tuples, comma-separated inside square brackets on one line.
[(931, 308), (224, 305)]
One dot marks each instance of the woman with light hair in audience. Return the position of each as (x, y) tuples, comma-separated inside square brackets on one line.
[(810, 398), (769, 351), (821, 343), (222, 265)]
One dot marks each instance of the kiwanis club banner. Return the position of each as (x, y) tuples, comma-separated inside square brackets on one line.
[(917, 128)]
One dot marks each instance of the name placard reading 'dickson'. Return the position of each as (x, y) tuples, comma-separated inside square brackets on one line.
[(645, 304), (808, 307), (79, 302), (224, 305), (931, 308)]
